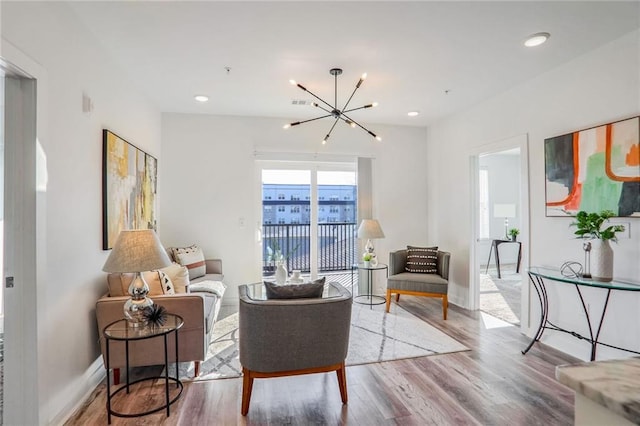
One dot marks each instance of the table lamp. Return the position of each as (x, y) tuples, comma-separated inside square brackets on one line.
[(506, 211), (370, 229), (137, 251)]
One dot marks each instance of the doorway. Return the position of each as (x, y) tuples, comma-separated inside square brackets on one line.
[(500, 233), (309, 213)]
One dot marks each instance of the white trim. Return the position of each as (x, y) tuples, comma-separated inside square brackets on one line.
[(26, 375), (77, 393), (522, 142)]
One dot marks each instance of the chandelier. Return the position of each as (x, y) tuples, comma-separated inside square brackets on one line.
[(332, 110)]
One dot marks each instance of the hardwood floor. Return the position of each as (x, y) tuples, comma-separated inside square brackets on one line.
[(492, 384)]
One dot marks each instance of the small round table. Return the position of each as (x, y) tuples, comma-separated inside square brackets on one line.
[(122, 331), (369, 296)]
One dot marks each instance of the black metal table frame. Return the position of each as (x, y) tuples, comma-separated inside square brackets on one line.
[(369, 295), (541, 290), (126, 386), (494, 247)]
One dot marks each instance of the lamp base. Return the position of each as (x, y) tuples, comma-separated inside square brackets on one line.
[(135, 307)]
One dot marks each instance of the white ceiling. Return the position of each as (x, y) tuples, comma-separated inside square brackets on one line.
[(413, 52)]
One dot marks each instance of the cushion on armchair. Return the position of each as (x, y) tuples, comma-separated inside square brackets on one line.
[(422, 260), (313, 289)]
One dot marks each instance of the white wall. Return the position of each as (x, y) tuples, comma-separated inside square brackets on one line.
[(599, 87), (208, 182), (74, 63)]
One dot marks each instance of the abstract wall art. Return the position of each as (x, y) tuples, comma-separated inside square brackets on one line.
[(129, 188), (594, 169)]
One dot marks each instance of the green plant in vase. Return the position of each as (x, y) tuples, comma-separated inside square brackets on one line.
[(598, 251), (513, 233)]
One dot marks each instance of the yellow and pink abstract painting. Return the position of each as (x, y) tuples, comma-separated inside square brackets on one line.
[(129, 188), (594, 169)]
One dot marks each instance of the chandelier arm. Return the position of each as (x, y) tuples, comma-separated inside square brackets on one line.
[(323, 108), (356, 109), (332, 127), (360, 125), (315, 96), (311, 119), (352, 93)]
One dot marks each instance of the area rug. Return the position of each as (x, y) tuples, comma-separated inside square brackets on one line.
[(500, 297), (375, 336)]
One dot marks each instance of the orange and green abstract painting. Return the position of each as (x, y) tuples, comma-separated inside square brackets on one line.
[(129, 188), (594, 169)]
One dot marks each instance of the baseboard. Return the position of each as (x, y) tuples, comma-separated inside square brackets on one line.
[(75, 394)]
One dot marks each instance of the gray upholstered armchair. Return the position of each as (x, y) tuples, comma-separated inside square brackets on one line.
[(285, 337), (418, 284)]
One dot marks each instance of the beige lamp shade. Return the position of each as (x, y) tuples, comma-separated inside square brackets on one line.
[(136, 251), (370, 229)]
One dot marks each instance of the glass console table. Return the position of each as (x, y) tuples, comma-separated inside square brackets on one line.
[(538, 275)]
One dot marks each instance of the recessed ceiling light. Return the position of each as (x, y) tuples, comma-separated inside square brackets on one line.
[(413, 113), (201, 98), (536, 39)]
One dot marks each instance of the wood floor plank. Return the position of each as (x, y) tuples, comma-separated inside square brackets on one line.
[(492, 384)]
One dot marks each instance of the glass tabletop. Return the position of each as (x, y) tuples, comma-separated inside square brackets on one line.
[(122, 330), (361, 266), (257, 291), (556, 275)]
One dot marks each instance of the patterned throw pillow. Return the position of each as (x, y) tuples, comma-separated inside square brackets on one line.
[(423, 260), (193, 258), (167, 285), (179, 276)]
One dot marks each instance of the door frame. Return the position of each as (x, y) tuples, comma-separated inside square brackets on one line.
[(522, 142), (25, 196)]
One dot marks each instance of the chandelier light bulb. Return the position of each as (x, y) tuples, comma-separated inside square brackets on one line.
[(286, 126), (378, 138), (413, 113), (293, 82), (201, 98), (324, 141), (364, 76), (375, 104)]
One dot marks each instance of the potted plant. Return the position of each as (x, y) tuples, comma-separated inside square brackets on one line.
[(367, 259), (513, 233), (591, 226)]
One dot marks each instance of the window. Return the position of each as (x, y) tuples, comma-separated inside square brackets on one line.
[(295, 209), (281, 208), (280, 196)]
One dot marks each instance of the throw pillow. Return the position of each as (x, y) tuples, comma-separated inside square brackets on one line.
[(423, 260), (193, 258), (179, 276), (165, 282), (295, 291)]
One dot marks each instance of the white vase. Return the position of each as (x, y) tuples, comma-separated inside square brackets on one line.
[(281, 273), (601, 260)]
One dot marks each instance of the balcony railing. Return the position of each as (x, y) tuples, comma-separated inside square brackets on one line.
[(336, 246)]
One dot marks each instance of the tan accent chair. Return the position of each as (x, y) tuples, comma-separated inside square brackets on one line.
[(417, 284), (198, 310), (287, 337)]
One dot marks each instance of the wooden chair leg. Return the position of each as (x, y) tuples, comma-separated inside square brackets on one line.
[(397, 297), (196, 368), (445, 305), (342, 382), (388, 300), (116, 376), (247, 385)]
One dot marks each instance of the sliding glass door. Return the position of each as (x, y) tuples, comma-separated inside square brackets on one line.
[(309, 219)]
